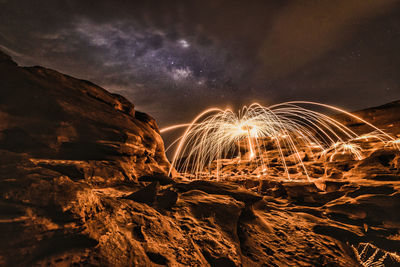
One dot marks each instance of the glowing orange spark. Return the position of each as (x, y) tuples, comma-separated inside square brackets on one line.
[(216, 134)]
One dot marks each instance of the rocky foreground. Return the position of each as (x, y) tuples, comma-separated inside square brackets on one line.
[(83, 182)]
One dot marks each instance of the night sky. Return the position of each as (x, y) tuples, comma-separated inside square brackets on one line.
[(173, 59)]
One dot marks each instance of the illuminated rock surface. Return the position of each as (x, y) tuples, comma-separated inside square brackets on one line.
[(82, 181)]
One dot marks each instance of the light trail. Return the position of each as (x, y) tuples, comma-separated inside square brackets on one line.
[(290, 129), (173, 127)]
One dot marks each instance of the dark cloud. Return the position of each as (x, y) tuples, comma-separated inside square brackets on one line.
[(174, 58)]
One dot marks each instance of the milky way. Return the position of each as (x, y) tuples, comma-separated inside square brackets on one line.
[(175, 58)]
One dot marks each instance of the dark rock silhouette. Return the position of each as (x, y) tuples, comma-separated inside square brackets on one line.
[(145, 195)]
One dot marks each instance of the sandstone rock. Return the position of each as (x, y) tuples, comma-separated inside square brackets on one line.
[(385, 117), (167, 199), (83, 182), (159, 177), (55, 118), (221, 189), (145, 195)]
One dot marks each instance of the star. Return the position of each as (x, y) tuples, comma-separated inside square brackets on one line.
[(183, 43)]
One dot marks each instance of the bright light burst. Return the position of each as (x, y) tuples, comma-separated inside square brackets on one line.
[(344, 148), (250, 134), (394, 143)]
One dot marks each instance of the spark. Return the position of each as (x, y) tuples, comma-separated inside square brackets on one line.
[(217, 134), (370, 136), (166, 129), (368, 255), (344, 148), (394, 143)]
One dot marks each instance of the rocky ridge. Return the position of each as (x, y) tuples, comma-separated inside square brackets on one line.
[(83, 182)]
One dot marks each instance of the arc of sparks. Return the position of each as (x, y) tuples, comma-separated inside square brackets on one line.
[(215, 134)]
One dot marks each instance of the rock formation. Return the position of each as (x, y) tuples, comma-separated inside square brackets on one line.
[(83, 181), (386, 117)]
